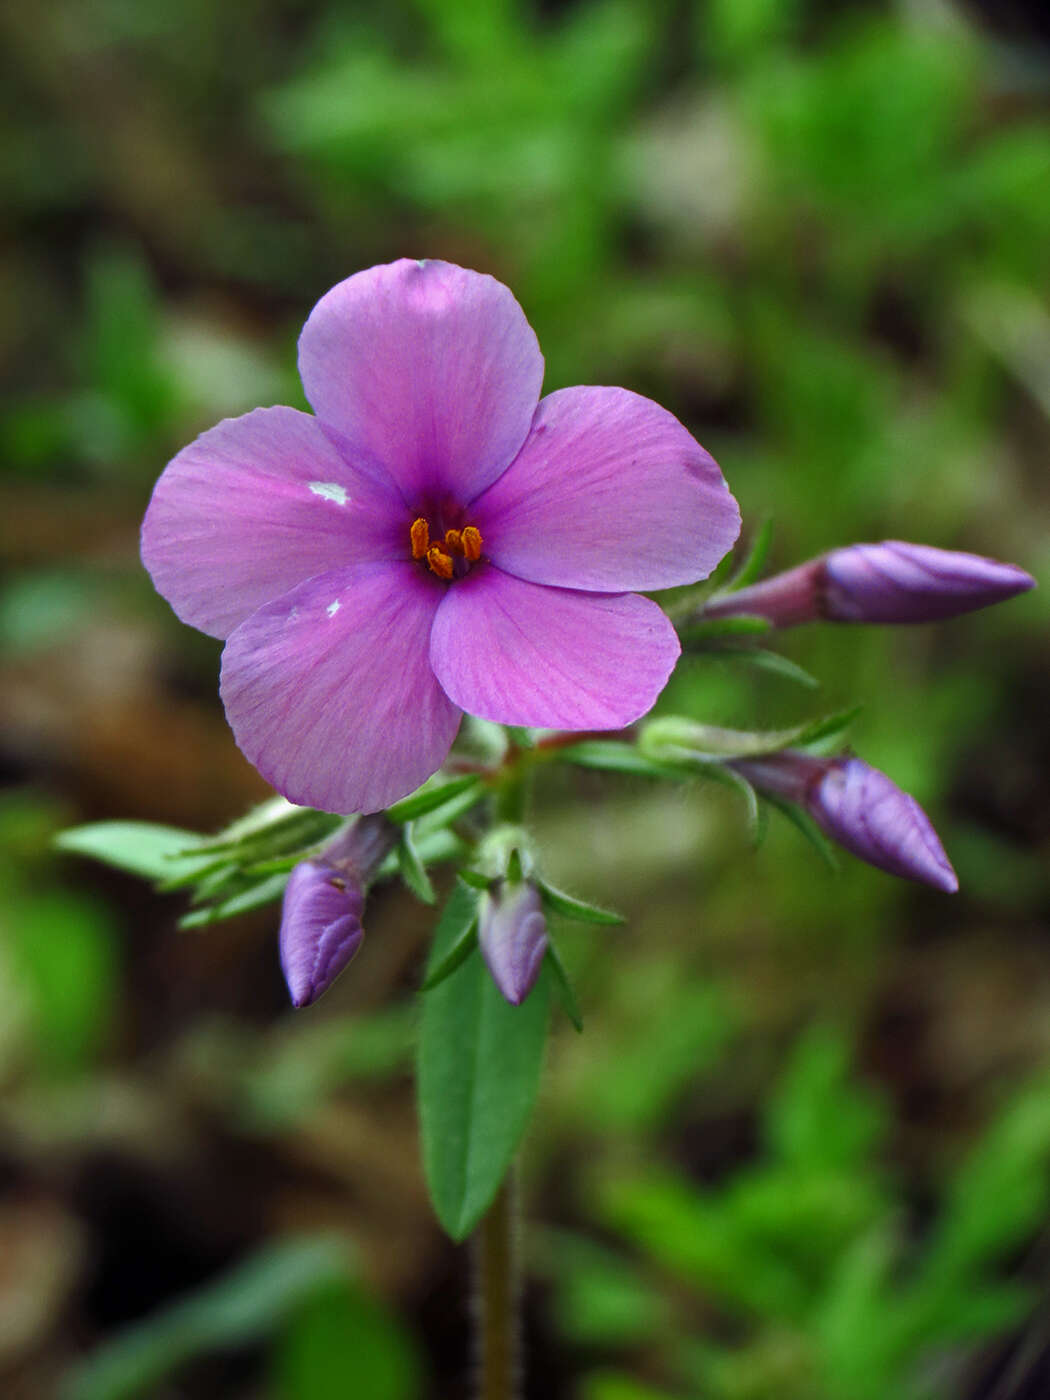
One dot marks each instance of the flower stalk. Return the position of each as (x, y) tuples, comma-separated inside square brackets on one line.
[(496, 1298)]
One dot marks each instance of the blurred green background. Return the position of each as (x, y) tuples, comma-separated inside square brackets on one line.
[(802, 1151)]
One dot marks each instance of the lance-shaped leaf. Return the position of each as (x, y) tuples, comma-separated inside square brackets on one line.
[(479, 1064), (141, 848)]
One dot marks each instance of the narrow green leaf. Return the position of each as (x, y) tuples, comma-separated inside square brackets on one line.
[(429, 798), (571, 908), (772, 661), (413, 871), (479, 1063), (265, 892), (565, 988), (730, 778), (455, 957), (242, 1306), (695, 635), (755, 560), (611, 757), (197, 872), (275, 828), (141, 848), (827, 732), (808, 827)]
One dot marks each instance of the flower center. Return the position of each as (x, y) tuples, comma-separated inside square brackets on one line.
[(450, 557)]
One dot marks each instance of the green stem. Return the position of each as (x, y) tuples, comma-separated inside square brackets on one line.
[(496, 1295), (512, 795)]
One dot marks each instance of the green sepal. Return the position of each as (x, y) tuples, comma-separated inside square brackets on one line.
[(773, 662), (801, 819), (565, 988), (475, 879), (755, 559), (413, 871), (826, 735), (558, 902)]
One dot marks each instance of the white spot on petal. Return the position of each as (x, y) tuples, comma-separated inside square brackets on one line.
[(329, 491), (333, 607)]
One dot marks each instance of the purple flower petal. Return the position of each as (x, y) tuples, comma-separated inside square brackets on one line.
[(861, 809), (520, 653), (320, 929), (255, 506), (428, 369), (330, 693), (899, 582), (512, 933), (609, 493)]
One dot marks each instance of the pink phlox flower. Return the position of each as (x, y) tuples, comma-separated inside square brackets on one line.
[(437, 539)]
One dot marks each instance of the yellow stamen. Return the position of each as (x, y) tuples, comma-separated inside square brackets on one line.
[(470, 539), (419, 534), (440, 562), (454, 541)]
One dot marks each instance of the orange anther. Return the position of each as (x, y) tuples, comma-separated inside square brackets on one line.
[(454, 541), (440, 562), (419, 534), (471, 542)]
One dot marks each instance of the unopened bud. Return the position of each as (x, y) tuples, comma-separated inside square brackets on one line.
[(512, 933), (890, 582), (320, 928), (323, 903), (898, 582), (861, 809)]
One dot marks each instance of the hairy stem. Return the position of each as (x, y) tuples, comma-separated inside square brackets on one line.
[(496, 1288)]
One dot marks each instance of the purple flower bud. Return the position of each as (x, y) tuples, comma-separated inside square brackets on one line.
[(861, 809), (898, 582), (887, 582), (320, 928), (323, 901), (512, 933)]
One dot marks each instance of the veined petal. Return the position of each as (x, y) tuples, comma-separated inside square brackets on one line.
[(610, 493), (426, 368), (329, 689), (255, 506), (520, 653)]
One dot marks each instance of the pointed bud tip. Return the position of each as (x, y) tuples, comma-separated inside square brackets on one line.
[(898, 582), (863, 810), (320, 929)]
